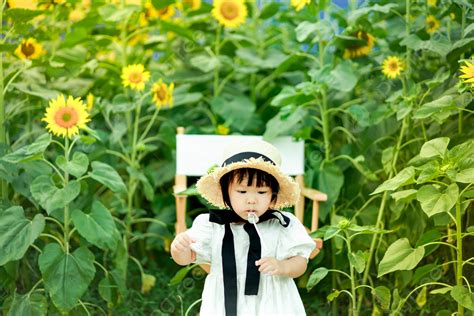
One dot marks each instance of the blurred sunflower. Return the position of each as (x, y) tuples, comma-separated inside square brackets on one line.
[(90, 102), (299, 4), (29, 49), (64, 118), (77, 14), (23, 4), (162, 93), (432, 24), (230, 13), (222, 129), (392, 67), (360, 49), (148, 282), (151, 13), (467, 73), (431, 3), (167, 12), (135, 77), (191, 4)]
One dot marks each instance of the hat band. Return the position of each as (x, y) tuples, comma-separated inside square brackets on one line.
[(246, 155)]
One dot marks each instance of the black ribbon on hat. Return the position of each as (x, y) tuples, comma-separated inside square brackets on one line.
[(252, 278), (246, 155)]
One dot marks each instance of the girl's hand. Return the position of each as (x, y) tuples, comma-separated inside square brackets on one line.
[(271, 266), (181, 243)]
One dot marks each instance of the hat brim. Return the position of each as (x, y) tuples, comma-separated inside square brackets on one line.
[(209, 187)]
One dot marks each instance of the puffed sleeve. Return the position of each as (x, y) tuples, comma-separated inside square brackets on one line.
[(201, 232), (294, 240)]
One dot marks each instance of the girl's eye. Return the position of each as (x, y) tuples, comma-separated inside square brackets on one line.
[(241, 191), (262, 192)]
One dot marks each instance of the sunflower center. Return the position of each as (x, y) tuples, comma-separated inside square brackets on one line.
[(66, 117), (431, 24), (135, 77), (393, 66), (27, 49), (160, 93), (229, 10), (163, 11)]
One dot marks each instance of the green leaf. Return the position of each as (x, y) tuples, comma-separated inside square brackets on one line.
[(77, 166), (33, 304), (439, 109), (284, 125), (321, 30), (440, 46), (357, 14), (462, 295), (421, 298), (405, 195), (97, 227), (331, 297), (316, 277), (357, 260), (32, 151), (383, 296), (330, 181), (108, 176), (331, 232), (343, 77), (404, 177), (180, 275), (434, 147), (269, 10), (112, 13), (465, 176), (49, 196), (442, 290), (286, 96), (433, 201), (17, 233), (400, 256), (236, 110), (66, 275), (21, 15), (205, 63)]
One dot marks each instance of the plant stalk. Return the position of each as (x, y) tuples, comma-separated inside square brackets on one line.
[(3, 132), (459, 263)]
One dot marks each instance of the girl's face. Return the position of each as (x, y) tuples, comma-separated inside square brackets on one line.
[(245, 198)]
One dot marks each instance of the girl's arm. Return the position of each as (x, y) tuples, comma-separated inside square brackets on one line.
[(181, 251), (292, 267)]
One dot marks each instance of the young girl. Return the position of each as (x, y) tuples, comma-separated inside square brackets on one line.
[(252, 265)]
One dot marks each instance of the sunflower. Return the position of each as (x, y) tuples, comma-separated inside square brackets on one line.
[(29, 49), (64, 118), (468, 73), (230, 13), (192, 4), (77, 14), (360, 49), (222, 129), (167, 12), (135, 76), (432, 24), (162, 94), (392, 67), (431, 3), (23, 4), (299, 4)]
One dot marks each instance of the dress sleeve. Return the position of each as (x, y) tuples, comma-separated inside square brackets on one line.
[(201, 232), (294, 240)]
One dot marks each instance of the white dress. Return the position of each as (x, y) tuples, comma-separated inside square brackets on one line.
[(277, 295)]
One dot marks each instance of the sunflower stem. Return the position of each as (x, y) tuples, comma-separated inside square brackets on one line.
[(3, 132), (216, 53), (66, 208), (459, 263), (407, 33)]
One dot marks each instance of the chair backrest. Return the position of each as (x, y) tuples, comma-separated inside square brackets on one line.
[(195, 154)]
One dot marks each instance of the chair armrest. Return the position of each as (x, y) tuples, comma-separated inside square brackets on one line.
[(314, 195)]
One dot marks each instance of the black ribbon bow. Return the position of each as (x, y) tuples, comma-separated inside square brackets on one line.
[(252, 278)]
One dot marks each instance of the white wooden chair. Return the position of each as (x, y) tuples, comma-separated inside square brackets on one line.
[(195, 154)]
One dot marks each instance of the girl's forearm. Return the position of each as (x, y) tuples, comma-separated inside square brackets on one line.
[(294, 267), (183, 258)]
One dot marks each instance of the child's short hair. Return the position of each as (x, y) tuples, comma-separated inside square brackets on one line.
[(262, 178)]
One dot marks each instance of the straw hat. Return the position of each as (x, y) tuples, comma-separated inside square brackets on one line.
[(257, 154)]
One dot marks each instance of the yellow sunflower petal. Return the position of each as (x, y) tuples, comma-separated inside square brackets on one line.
[(135, 77)]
